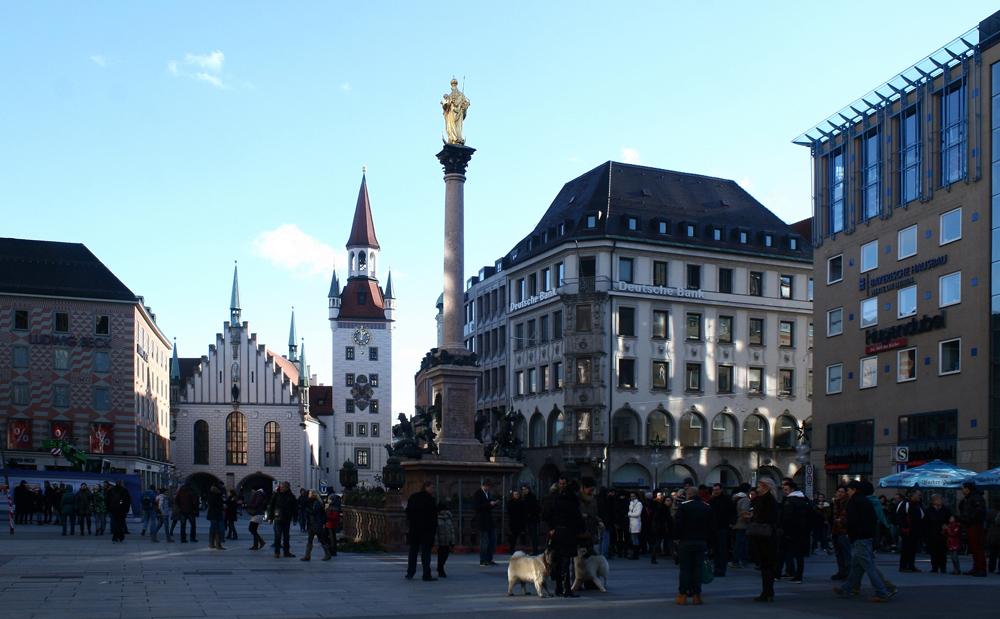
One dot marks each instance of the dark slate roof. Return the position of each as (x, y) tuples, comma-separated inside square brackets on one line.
[(804, 227), (321, 401), (619, 192), (187, 366), (48, 268)]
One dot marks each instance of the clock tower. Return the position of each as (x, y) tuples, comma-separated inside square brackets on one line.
[(362, 316)]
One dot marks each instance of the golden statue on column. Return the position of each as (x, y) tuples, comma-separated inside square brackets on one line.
[(455, 106)]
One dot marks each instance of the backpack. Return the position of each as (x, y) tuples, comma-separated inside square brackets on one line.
[(147, 502)]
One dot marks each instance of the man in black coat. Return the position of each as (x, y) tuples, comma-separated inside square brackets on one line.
[(282, 511), (910, 518), (118, 502), (532, 515), (725, 515), (22, 500), (794, 525), (694, 525), (421, 513), (972, 515), (862, 524), (484, 503), (565, 521)]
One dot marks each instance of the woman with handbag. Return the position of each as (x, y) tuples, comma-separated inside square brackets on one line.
[(255, 509), (763, 521)]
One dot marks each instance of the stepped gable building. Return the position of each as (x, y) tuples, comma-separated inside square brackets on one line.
[(905, 230), (659, 327), (362, 319), (241, 414), (81, 359)]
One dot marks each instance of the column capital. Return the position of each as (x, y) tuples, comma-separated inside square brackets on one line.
[(455, 158)]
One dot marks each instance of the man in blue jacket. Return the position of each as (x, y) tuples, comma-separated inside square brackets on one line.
[(694, 524)]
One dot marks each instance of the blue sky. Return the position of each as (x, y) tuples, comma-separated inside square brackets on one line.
[(173, 138)]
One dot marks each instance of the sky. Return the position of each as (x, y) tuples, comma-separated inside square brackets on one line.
[(174, 138)]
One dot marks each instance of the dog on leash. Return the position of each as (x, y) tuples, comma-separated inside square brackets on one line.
[(527, 568), (590, 566)]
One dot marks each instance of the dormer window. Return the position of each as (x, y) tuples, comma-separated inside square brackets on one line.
[(717, 234), (545, 237), (663, 227), (561, 230), (744, 237), (633, 223), (689, 230), (768, 240), (362, 297), (591, 221), (793, 243)]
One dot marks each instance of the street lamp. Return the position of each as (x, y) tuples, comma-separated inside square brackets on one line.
[(348, 476), (393, 474)]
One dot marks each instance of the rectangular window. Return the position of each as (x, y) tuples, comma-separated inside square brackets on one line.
[(835, 322), (809, 385), (591, 221), (694, 277), (557, 374), (909, 155), (519, 383), (951, 356), (835, 204), (20, 320), (906, 364), (626, 373), (756, 284), (869, 312), (102, 361), (373, 380), (786, 333), (953, 110), (907, 242), (557, 325), (906, 301), (692, 375), (543, 329), (871, 178), (349, 380), (545, 383), (717, 234), (625, 270), (546, 279), (349, 353), (532, 381), (659, 273), (362, 429), (726, 280), (62, 322), (661, 328), (835, 269), (583, 318), (951, 226), (101, 399), (349, 406), (661, 227), (869, 256), (626, 321), (60, 359), (560, 274), (725, 382), (583, 365), (724, 329), (20, 356), (809, 292), (785, 286), (689, 230), (373, 407), (755, 381), (950, 289), (869, 372), (102, 324), (756, 333), (373, 353), (20, 393), (694, 326), (661, 375), (521, 290), (519, 341), (531, 333), (833, 378), (60, 395), (810, 343), (363, 458), (375, 429), (532, 285), (786, 382)]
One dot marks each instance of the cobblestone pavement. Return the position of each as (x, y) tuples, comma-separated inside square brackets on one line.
[(44, 575)]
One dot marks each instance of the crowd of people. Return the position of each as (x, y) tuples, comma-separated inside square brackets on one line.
[(83, 507)]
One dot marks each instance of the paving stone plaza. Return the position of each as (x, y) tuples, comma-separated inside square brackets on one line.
[(46, 576)]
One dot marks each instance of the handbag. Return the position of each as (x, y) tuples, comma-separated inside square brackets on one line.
[(759, 529), (707, 572)]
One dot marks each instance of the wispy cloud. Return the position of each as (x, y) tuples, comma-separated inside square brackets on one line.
[(631, 155), (345, 87), (207, 68), (746, 184), (100, 60), (289, 247)]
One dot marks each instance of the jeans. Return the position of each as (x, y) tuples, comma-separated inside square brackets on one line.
[(423, 546), (741, 547), (794, 547), (692, 557), (218, 527), (721, 550), (842, 548), (605, 543), (863, 563), (186, 518), (148, 518), (908, 553), (282, 529), (487, 542), (71, 520), (161, 521), (100, 522), (532, 530), (953, 555)]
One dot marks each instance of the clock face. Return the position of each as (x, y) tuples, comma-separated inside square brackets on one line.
[(362, 336)]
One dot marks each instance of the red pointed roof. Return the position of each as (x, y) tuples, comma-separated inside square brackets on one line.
[(373, 307), (363, 230)]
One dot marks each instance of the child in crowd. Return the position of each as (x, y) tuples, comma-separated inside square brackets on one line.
[(445, 537), (953, 532)]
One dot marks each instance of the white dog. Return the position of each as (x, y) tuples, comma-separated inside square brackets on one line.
[(590, 566), (524, 569)]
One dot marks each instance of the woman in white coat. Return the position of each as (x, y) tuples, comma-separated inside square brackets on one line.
[(634, 522)]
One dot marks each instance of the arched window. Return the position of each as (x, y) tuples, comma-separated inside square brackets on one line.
[(362, 261), (723, 431), (236, 438), (659, 426), (201, 442), (690, 433), (624, 428), (754, 434), (556, 422), (272, 444), (537, 433), (784, 432)]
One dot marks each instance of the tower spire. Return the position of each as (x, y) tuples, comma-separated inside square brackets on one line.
[(175, 366), (303, 368), (234, 302), (363, 229), (293, 340)]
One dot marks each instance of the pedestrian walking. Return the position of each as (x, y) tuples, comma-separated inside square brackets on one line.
[(763, 517), (255, 508), (282, 511), (444, 538), (315, 516), (422, 518)]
